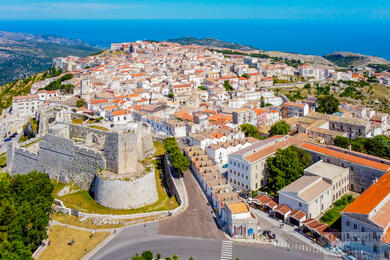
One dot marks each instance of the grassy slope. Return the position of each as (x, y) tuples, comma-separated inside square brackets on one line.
[(60, 237), (16, 88), (83, 201), (34, 57)]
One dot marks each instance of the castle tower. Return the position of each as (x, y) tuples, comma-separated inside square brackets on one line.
[(121, 153)]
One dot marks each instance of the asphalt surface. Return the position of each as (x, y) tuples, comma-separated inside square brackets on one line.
[(197, 220), (139, 238), (191, 233)]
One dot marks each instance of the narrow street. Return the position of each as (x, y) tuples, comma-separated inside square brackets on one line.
[(197, 220)]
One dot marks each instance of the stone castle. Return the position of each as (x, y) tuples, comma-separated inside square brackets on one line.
[(111, 164)]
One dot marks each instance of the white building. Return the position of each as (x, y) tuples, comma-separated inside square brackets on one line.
[(25, 105)]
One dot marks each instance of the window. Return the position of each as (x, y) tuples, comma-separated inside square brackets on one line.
[(300, 205), (363, 229), (246, 186), (354, 238), (354, 226), (348, 236), (231, 180), (375, 248), (348, 224), (246, 167)]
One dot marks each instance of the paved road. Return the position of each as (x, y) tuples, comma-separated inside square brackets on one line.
[(197, 220), (139, 238), (176, 236)]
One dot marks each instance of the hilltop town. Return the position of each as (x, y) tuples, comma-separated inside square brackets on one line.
[(276, 147)]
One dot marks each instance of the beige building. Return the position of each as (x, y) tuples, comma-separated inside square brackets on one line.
[(311, 194), (337, 176), (247, 167)]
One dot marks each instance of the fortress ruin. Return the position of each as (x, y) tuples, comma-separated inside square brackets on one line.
[(114, 165)]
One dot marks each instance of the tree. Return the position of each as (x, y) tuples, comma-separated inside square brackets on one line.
[(262, 103), (245, 75), (279, 128), (285, 167), (328, 104), (342, 141), (250, 130), (307, 86), (201, 88), (227, 86), (80, 103), (171, 95), (178, 160), (25, 207)]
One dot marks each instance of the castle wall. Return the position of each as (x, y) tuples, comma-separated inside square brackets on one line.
[(61, 159), (123, 194), (23, 161)]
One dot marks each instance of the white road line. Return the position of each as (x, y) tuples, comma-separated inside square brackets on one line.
[(226, 250)]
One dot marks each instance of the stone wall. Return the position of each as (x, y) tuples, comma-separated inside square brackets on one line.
[(169, 179), (125, 194), (61, 159)]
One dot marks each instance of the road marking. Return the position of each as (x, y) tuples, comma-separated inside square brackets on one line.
[(226, 250)]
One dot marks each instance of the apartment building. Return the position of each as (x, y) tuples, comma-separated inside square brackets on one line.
[(24, 106), (244, 116), (363, 170), (337, 176), (365, 223), (311, 194), (291, 109), (247, 167)]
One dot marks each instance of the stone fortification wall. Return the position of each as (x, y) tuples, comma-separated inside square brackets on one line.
[(22, 161), (60, 158), (124, 194)]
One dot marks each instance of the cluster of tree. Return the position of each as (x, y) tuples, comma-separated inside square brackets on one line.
[(57, 84), (171, 95), (252, 131), (296, 95), (179, 161), (328, 104), (279, 128), (254, 55), (245, 75), (263, 104), (378, 145), (80, 102), (322, 90), (286, 166), (341, 60), (227, 86), (148, 255), (201, 88), (289, 62), (380, 67), (352, 92), (25, 207)]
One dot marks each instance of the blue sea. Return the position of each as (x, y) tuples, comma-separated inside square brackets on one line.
[(297, 36)]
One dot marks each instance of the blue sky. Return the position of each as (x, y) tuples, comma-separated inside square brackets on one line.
[(354, 10)]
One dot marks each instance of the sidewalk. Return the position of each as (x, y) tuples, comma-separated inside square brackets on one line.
[(286, 236)]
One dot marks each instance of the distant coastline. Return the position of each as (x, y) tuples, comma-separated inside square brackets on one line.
[(305, 37)]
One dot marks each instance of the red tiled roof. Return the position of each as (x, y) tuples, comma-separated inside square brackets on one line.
[(369, 199), (283, 209), (344, 156)]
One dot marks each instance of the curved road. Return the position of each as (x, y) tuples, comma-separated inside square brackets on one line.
[(191, 233), (137, 239)]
